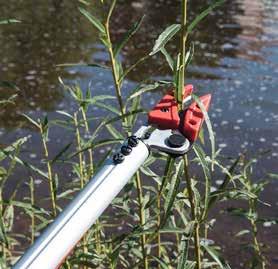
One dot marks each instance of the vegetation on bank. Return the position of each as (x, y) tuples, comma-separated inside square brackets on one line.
[(168, 223)]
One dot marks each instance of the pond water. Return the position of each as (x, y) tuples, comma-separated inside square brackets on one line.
[(236, 59)]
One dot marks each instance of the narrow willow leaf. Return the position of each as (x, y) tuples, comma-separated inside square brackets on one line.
[(108, 107), (215, 256), (119, 70), (203, 14), (10, 100), (189, 55), (9, 21), (135, 27), (242, 232), (165, 37), (134, 107), (83, 64), (225, 183), (143, 89), (4, 153), (61, 153), (97, 98), (64, 113), (209, 126), (202, 158), (161, 263), (172, 193), (31, 167), (273, 176), (168, 58), (31, 120), (184, 246), (95, 21), (116, 134)]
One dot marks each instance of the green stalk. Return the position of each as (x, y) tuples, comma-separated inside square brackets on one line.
[(113, 60), (142, 217), (80, 155), (32, 199), (254, 233), (182, 53), (49, 170), (90, 151), (197, 247)]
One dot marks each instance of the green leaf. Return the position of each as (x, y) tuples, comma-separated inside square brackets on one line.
[(83, 64), (116, 134), (184, 246), (173, 190), (168, 58), (273, 176), (202, 158), (31, 120), (62, 151), (209, 126), (143, 89), (165, 37), (161, 263), (242, 232), (9, 21), (95, 21), (108, 107), (215, 256), (203, 14), (127, 36)]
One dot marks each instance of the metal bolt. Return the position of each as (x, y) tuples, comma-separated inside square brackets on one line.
[(118, 158), (126, 150), (132, 141), (176, 140)]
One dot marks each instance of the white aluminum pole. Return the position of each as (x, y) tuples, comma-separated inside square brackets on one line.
[(57, 241)]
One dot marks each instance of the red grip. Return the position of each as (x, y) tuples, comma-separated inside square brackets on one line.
[(165, 114), (194, 118)]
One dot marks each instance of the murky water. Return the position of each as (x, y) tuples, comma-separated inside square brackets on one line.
[(236, 59)]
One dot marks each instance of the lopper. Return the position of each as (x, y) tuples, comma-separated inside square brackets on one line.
[(169, 130)]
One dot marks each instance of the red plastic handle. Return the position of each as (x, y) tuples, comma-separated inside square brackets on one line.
[(194, 118), (165, 114)]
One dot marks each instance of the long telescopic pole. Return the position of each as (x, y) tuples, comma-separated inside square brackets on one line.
[(57, 241)]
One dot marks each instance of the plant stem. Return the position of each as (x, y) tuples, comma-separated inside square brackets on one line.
[(80, 155), (142, 217), (116, 75), (197, 248), (32, 199), (50, 176), (182, 53), (254, 233), (90, 151)]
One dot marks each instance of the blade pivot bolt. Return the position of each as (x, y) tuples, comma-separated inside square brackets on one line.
[(176, 140)]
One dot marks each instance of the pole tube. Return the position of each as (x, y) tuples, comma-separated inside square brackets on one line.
[(57, 241)]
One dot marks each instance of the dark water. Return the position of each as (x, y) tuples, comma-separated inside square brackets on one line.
[(236, 59)]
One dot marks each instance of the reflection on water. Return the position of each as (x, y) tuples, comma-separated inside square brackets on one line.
[(51, 32)]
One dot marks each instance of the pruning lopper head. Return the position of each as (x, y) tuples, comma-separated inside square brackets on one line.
[(173, 131)]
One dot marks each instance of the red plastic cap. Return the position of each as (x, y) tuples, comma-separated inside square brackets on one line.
[(165, 114), (194, 118)]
